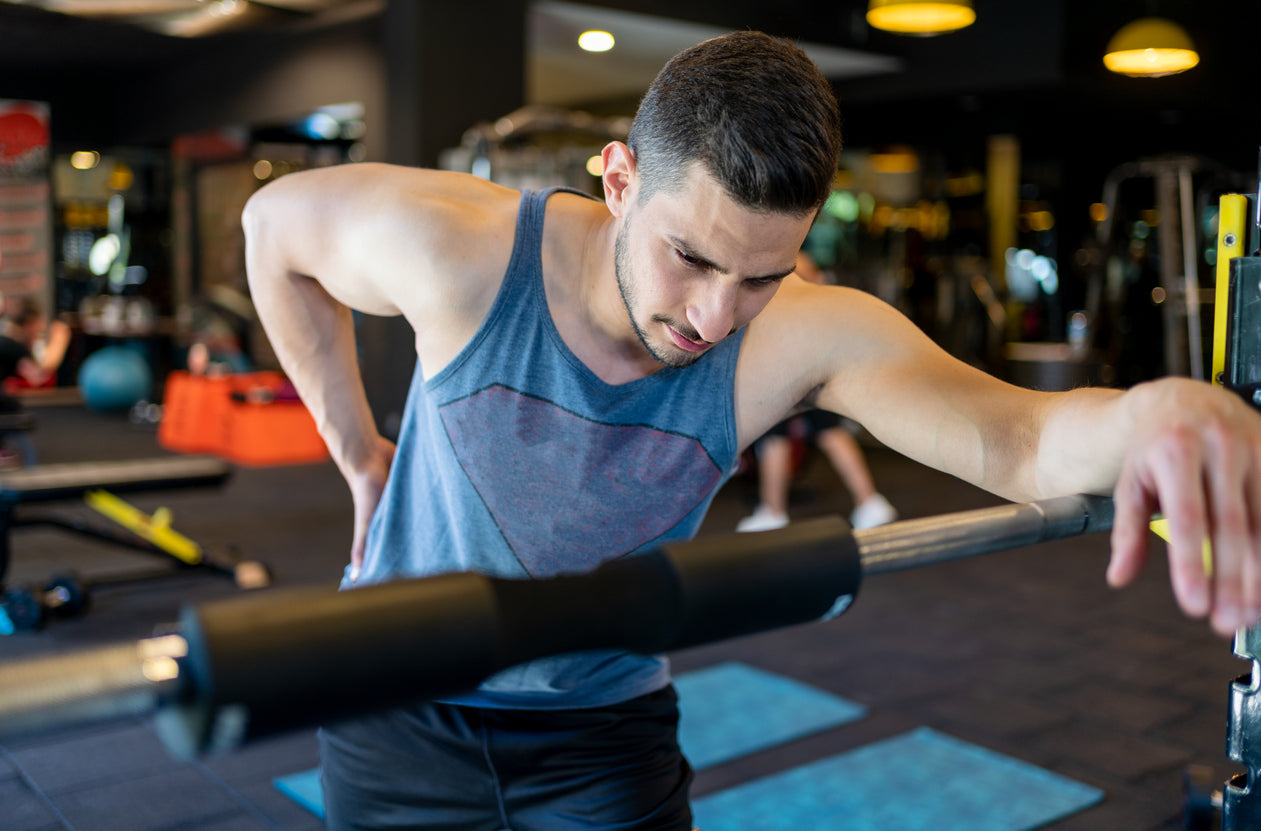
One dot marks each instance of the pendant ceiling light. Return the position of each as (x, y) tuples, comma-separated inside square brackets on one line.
[(1149, 48), (920, 17)]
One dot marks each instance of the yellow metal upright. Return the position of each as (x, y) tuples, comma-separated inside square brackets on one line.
[(1232, 218)]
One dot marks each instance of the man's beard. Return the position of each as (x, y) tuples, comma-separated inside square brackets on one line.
[(622, 267)]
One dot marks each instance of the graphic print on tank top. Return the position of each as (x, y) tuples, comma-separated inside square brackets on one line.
[(558, 484)]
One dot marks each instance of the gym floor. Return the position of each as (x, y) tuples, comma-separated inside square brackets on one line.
[(1027, 653)]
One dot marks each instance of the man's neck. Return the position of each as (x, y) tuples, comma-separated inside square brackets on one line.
[(587, 306)]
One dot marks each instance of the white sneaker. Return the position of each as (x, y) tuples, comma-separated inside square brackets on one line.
[(763, 519), (874, 511)]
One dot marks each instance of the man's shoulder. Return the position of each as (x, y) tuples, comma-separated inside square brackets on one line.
[(812, 309), (455, 201), (365, 194), (803, 337), (403, 219)]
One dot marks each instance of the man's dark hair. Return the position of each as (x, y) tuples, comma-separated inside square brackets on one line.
[(754, 110)]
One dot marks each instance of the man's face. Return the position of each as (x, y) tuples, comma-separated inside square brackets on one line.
[(693, 266)]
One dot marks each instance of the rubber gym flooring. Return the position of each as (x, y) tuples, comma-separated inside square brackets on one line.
[(1024, 654)]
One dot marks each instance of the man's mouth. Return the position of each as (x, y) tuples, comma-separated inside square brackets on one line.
[(687, 343)]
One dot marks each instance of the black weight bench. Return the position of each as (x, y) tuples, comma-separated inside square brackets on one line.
[(73, 481), (51, 483), (19, 421)]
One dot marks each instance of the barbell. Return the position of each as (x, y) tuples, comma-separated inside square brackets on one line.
[(255, 665)]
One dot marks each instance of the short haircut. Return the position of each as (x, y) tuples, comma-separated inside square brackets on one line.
[(754, 110)]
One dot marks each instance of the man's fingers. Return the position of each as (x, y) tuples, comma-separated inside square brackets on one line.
[(1174, 475), (1195, 456), (1252, 570), (356, 561), (1133, 509), (365, 489), (357, 546), (1233, 506), (1232, 552)]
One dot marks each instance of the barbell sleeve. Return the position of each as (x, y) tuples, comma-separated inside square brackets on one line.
[(125, 679), (935, 539), (265, 662)]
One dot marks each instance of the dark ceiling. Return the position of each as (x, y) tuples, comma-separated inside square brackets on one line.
[(1028, 66)]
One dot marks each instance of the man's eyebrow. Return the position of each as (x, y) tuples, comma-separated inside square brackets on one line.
[(693, 254), (778, 275)]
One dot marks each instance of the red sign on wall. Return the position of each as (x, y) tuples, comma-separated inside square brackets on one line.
[(23, 137), (25, 200)]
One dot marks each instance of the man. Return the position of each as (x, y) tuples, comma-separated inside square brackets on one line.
[(589, 372)]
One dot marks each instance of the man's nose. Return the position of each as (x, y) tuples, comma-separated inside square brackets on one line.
[(712, 313)]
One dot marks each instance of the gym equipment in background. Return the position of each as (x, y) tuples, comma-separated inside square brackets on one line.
[(1184, 188), (257, 664), (29, 607), (250, 418), (114, 378), (537, 147)]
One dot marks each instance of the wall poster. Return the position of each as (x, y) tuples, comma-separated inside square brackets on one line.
[(25, 202)]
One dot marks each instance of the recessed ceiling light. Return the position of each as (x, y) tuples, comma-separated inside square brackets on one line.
[(595, 41)]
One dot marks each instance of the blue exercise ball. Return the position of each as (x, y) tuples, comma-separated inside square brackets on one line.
[(114, 378)]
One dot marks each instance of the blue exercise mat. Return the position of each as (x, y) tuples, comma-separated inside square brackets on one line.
[(918, 781), (303, 788), (726, 711), (731, 710)]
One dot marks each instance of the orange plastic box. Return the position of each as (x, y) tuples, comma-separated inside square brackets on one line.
[(240, 418), (192, 408)]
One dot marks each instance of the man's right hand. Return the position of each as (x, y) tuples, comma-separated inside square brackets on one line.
[(366, 486)]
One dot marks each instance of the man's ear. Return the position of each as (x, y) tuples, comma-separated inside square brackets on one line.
[(620, 176)]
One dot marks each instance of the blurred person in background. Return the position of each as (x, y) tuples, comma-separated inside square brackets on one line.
[(831, 434)]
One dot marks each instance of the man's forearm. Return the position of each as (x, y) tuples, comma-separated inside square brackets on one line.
[(313, 337)]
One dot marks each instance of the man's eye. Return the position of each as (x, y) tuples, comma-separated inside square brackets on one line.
[(688, 259)]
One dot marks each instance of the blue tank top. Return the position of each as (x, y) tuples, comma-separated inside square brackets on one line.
[(517, 461)]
